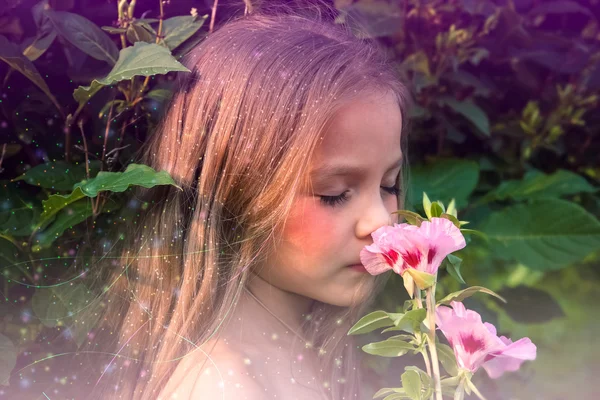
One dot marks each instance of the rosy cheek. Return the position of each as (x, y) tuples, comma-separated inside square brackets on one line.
[(309, 227)]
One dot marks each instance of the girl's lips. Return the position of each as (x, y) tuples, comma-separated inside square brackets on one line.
[(358, 267)]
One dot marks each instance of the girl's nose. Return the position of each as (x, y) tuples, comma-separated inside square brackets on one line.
[(373, 217)]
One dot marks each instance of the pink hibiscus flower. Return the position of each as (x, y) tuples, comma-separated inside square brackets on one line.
[(476, 343), (404, 246)]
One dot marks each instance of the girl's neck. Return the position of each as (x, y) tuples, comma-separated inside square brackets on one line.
[(291, 308)]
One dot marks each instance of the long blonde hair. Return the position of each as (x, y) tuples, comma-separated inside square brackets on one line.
[(237, 136)]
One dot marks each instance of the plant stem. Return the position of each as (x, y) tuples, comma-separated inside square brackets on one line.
[(424, 352), (432, 345)]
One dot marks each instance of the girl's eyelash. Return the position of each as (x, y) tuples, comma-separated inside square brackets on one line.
[(332, 201)]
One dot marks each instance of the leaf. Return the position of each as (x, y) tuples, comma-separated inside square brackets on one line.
[(141, 59), (529, 305), (423, 280), (177, 30), (371, 19), (387, 391), (52, 305), (410, 217), (426, 381), (113, 31), (451, 218), (447, 358), (388, 348), (139, 33), (411, 320), (411, 382), (444, 180), (370, 322), (544, 235), (57, 202), (18, 211), (469, 110), (39, 45), (8, 358), (537, 185), (436, 210), (453, 267), (427, 205), (84, 34), (58, 175), (68, 217), (468, 292), (9, 53), (135, 174), (452, 209)]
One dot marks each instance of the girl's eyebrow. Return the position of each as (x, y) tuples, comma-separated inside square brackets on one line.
[(328, 171)]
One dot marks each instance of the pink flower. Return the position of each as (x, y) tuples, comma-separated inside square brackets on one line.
[(476, 343), (405, 246)]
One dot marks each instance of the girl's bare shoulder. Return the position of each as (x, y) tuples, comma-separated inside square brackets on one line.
[(224, 374)]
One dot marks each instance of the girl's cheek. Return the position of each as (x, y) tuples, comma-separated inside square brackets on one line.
[(310, 227)]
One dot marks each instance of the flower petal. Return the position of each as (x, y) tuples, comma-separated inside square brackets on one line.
[(510, 358), (374, 263)]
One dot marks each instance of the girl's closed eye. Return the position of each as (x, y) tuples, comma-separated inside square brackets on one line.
[(332, 201)]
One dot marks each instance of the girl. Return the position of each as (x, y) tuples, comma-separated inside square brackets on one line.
[(287, 138)]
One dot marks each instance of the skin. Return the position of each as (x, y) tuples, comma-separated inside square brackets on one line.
[(319, 241), (317, 244)]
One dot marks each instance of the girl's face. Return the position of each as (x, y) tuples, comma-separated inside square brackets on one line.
[(353, 193)]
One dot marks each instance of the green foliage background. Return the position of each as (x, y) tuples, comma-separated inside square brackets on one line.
[(506, 123)]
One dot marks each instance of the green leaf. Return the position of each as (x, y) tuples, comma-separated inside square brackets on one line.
[(141, 59), (426, 381), (452, 209), (436, 210), (8, 358), (447, 358), (113, 31), (451, 218), (18, 210), (411, 217), (468, 292), (39, 45), (453, 267), (57, 202), (177, 30), (68, 217), (135, 174), (159, 95), (10, 54), (84, 34), (388, 348), (544, 235), (411, 320), (397, 396), (370, 322), (469, 110), (58, 175), (411, 382), (137, 32), (444, 180), (537, 185), (427, 205), (53, 305), (530, 305), (371, 19), (387, 391), (423, 280)]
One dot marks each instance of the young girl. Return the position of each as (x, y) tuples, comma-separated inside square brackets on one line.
[(287, 138)]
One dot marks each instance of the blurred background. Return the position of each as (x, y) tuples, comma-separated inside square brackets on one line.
[(507, 123)]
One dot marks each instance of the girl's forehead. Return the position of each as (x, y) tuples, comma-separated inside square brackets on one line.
[(366, 127)]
